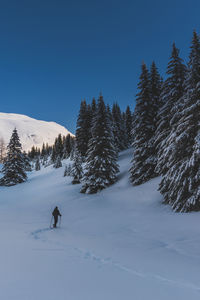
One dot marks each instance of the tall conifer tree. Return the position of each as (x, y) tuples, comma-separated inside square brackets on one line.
[(83, 129), (128, 122), (143, 163), (14, 166), (101, 162), (173, 90), (180, 185)]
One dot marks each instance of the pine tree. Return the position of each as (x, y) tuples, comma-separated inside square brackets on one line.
[(180, 184), (2, 150), (13, 168), (155, 88), (27, 162), (67, 171), (37, 164), (58, 163), (93, 106), (82, 129), (128, 122), (172, 91), (143, 163), (101, 161), (32, 153), (119, 131), (43, 151), (59, 146), (77, 170), (53, 155), (67, 145)]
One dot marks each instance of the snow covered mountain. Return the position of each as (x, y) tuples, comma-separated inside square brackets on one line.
[(32, 132)]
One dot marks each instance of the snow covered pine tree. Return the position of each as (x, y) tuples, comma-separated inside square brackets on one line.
[(77, 170), (14, 166), (171, 93), (83, 128), (37, 164), (58, 162), (180, 186), (144, 162), (128, 123), (101, 159), (119, 130)]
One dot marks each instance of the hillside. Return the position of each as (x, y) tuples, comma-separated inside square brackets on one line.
[(119, 244), (32, 132)]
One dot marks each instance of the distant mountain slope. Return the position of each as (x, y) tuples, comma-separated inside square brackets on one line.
[(31, 131)]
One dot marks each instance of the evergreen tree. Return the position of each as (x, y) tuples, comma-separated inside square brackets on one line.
[(172, 91), (88, 121), (67, 146), (2, 150), (128, 122), (32, 153), (83, 129), (143, 163), (193, 76), (180, 184), (155, 89), (58, 163), (77, 170), (13, 168), (43, 151), (93, 106), (59, 146), (68, 169), (37, 164), (53, 155), (119, 132), (27, 163), (101, 165)]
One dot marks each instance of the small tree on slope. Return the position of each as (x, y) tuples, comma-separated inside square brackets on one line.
[(77, 170), (58, 162), (27, 162), (101, 160), (14, 167), (37, 164), (143, 163)]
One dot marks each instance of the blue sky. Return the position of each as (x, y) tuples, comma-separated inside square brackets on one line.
[(55, 53)]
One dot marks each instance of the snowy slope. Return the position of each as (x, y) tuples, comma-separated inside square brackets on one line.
[(31, 131), (120, 244)]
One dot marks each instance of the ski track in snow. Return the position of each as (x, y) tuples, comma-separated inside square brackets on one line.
[(123, 239), (89, 255)]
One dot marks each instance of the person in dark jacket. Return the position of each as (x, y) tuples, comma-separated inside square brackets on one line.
[(55, 214)]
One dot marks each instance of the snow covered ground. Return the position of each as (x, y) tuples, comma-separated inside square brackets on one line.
[(121, 244)]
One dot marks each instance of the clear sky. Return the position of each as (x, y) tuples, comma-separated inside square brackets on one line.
[(55, 53)]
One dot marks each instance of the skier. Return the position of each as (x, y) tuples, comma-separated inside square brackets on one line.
[(55, 214)]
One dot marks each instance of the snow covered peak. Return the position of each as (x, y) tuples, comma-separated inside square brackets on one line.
[(32, 132)]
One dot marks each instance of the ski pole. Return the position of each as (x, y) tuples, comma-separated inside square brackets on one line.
[(60, 221), (51, 221)]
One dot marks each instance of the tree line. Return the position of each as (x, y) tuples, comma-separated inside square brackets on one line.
[(164, 131)]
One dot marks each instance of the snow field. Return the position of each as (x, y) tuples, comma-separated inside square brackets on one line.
[(119, 244)]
